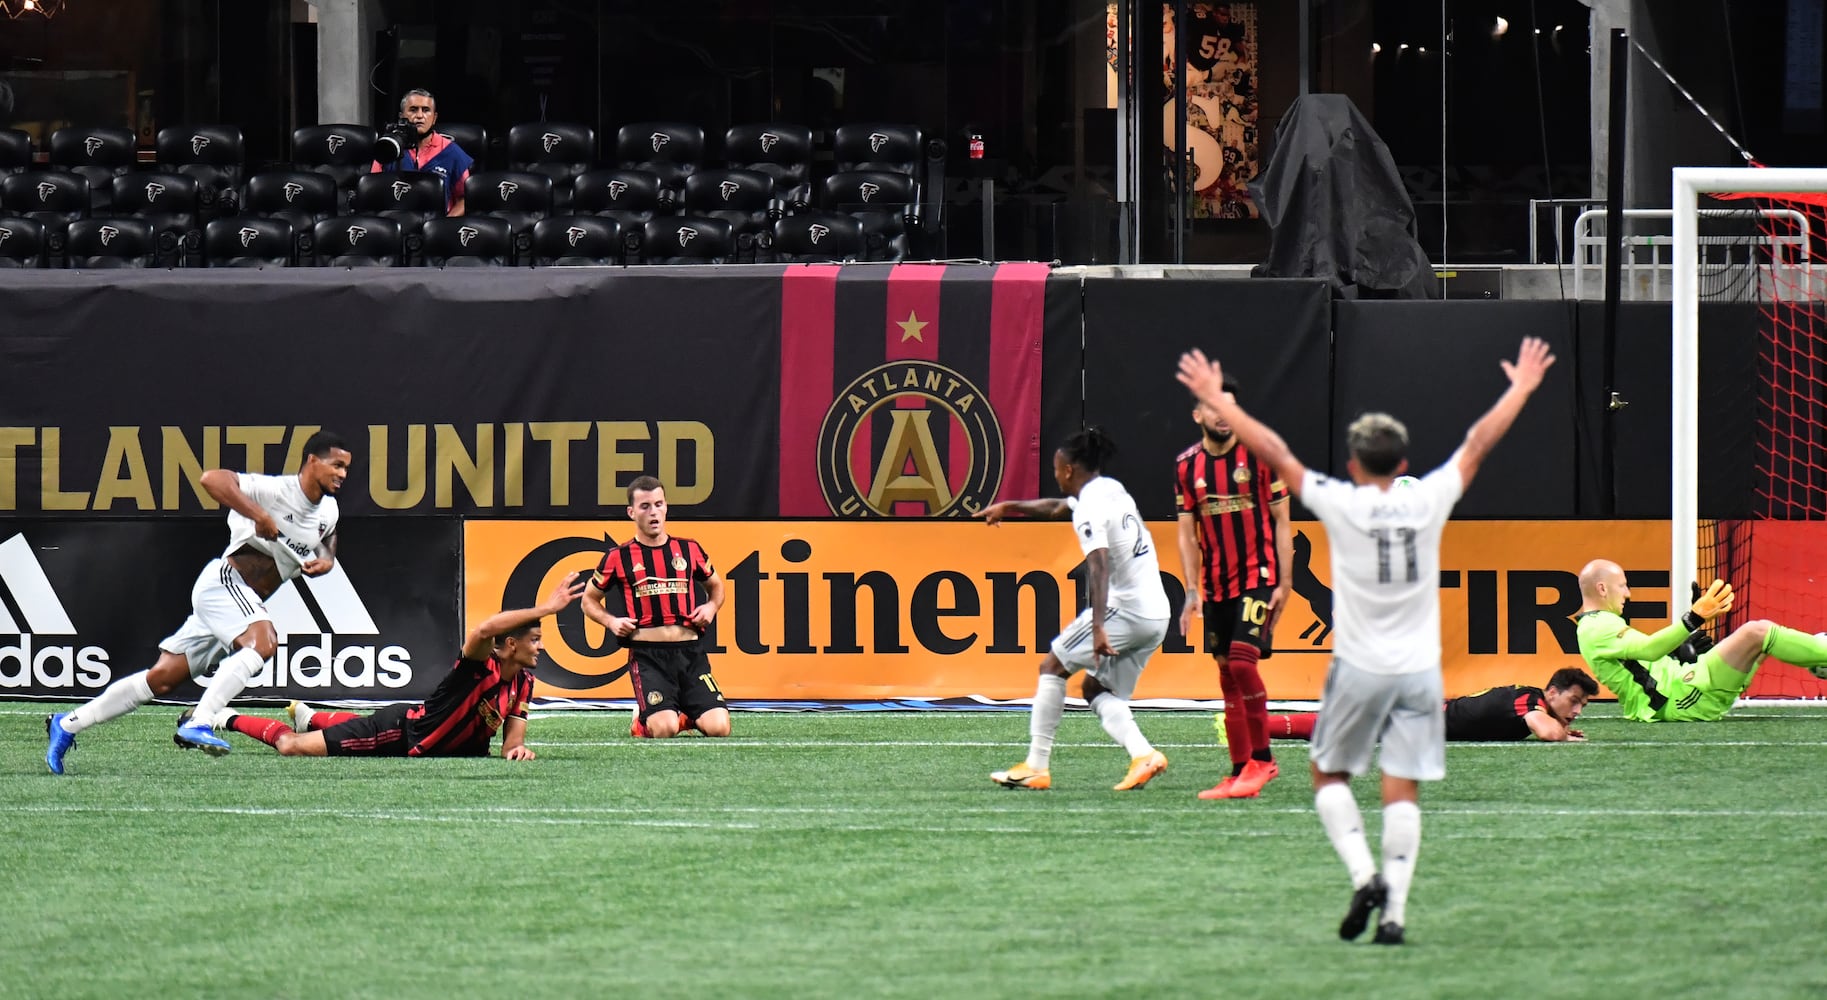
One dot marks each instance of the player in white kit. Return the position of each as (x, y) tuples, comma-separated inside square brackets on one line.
[(278, 528), (1111, 639), (1384, 683)]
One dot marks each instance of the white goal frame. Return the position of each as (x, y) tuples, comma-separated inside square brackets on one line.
[(1684, 414)]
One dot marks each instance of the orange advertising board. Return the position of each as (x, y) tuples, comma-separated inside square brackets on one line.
[(857, 610)]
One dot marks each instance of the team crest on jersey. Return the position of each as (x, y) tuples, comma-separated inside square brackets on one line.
[(888, 445), (653, 697), (678, 564), (1242, 475)]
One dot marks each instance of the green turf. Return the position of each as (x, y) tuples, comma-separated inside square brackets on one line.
[(868, 855)]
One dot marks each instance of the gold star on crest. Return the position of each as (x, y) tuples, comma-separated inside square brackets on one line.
[(911, 327)]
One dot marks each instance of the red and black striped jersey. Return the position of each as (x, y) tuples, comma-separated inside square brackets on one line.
[(657, 582), (467, 708), (1492, 715), (1229, 496)]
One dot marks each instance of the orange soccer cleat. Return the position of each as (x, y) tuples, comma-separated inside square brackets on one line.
[(1023, 776), (1142, 770)]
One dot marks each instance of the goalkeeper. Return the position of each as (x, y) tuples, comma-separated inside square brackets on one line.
[(1653, 685)]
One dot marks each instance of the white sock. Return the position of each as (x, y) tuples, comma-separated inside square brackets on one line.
[(231, 677), (116, 700), (1338, 813), (1401, 842), (1120, 723), (301, 717), (1049, 705)]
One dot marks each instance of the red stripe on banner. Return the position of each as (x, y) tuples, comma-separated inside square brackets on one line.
[(808, 300), (1017, 313), (913, 335)]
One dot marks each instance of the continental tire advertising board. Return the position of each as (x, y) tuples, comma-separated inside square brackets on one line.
[(85, 604), (878, 610)]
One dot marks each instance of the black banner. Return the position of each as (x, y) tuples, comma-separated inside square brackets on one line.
[(382, 626)]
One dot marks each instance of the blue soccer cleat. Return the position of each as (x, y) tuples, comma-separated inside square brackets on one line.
[(194, 735), (60, 743)]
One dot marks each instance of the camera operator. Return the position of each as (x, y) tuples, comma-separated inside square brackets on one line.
[(430, 150)]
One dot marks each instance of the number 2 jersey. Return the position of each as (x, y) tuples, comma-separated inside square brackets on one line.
[(1385, 567), (1104, 517)]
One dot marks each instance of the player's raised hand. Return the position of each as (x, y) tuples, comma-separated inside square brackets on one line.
[(569, 589), (1717, 600), (1203, 376), (1532, 362)]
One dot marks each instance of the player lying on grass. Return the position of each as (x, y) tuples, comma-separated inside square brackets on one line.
[(1509, 713), (1654, 686), (487, 690)]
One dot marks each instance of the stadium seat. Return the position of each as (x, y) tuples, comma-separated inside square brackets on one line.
[(97, 154), (570, 240), (782, 151), (214, 155), (109, 243), (53, 197), (558, 150), (883, 202), (671, 150), (340, 152), (472, 139), (15, 151), (687, 239), (248, 241), (357, 241), (817, 237), (168, 203), (630, 197), (896, 149), (466, 241), (742, 198), (408, 197), (519, 197), (22, 242), (299, 197)]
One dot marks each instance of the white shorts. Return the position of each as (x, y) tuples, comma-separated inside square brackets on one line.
[(1134, 638), (1404, 711), (222, 606)]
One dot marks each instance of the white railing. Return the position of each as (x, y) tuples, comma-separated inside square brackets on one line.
[(1557, 210), (1649, 259)]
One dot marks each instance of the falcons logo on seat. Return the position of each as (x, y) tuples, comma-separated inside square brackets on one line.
[(506, 189), (292, 190), (867, 190), (550, 141), (197, 142), (45, 190), (355, 234), (728, 188), (247, 235), (90, 145), (687, 234), (573, 234), (399, 189), (466, 234), (335, 142), (616, 188), (153, 190), (659, 139), (817, 232), (768, 139), (876, 141), (5, 234), (108, 233)]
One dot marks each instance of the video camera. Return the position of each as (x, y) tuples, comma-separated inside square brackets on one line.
[(393, 140)]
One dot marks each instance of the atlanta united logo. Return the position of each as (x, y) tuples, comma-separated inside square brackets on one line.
[(910, 436)]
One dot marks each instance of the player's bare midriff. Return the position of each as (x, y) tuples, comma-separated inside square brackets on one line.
[(257, 569), (665, 633)]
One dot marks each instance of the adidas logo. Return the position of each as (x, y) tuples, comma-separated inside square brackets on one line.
[(27, 660), (312, 616)]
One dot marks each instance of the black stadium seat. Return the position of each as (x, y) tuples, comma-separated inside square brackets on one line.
[(671, 150), (817, 237), (577, 240), (109, 243), (168, 203), (687, 239), (300, 197), (340, 152), (15, 151), (466, 241), (22, 242), (519, 198), (883, 202), (782, 151), (214, 155), (742, 198), (895, 148), (53, 197), (248, 241), (628, 196), (97, 154), (357, 241), (408, 197), (559, 150), (472, 139)]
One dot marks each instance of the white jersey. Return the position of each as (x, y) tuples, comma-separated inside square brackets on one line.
[(1104, 517), (1385, 567), (303, 525)]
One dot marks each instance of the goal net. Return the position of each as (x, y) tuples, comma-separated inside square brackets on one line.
[(1773, 549)]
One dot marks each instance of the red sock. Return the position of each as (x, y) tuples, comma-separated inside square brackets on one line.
[(1253, 694), (1236, 721), (323, 720), (687, 723), (266, 731), (1293, 727)]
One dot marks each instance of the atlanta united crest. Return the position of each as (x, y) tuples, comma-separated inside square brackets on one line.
[(910, 439)]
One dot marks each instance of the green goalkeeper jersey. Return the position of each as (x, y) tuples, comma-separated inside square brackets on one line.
[(1636, 667)]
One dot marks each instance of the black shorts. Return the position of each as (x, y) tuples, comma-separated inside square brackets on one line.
[(382, 734), (1244, 618), (672, 677)]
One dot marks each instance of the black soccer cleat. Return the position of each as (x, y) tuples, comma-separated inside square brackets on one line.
[(1388, 933), (1369, 896)]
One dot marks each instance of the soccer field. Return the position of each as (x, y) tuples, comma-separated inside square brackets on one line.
[(868, 855)]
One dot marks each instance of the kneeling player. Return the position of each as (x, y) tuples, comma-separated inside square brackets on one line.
[(487, 690)]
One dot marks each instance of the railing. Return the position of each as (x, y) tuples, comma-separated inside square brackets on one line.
[(1557, 212), (1719, 253)]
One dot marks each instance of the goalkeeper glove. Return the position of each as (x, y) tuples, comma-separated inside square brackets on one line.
[(1717, 600), (1689, 651)]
